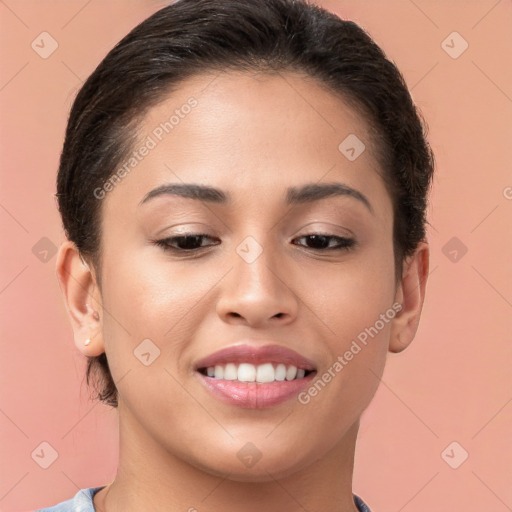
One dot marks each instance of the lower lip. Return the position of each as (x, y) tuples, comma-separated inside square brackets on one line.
[(251, 395)]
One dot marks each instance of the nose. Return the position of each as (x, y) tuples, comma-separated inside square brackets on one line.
[(258, 292)]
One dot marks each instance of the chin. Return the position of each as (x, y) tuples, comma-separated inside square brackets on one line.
[(266, 469)]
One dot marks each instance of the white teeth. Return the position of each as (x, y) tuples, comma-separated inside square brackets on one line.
[(291, 372), (218, 372), (280, 372), (265, 373), (230, 372), (247, 372)]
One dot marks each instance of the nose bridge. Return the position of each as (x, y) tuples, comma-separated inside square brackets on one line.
[(256, 289), (255, 262)]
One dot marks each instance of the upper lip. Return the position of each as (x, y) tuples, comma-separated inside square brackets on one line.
[(246, 353)]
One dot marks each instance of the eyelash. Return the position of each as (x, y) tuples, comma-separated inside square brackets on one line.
[(345, 244)]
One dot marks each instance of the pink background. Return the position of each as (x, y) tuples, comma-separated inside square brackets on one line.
[(452, 384)]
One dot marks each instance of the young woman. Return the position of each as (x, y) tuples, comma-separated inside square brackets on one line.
[(243, 186)]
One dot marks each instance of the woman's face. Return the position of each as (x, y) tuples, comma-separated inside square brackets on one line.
[(256, 278)]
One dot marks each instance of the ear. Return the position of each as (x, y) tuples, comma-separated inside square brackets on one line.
[(83, 299), (410, 293)]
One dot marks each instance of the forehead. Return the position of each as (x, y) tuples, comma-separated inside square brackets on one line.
[(251, 131), (229, 103)]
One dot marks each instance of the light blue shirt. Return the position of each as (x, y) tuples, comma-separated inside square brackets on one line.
[(82, 502)]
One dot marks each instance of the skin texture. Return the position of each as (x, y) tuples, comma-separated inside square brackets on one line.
[(252, 135)]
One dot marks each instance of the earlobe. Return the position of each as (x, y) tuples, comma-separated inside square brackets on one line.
[(83, 300), (411, 294)]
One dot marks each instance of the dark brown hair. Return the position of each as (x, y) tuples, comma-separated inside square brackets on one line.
[(190, 37)]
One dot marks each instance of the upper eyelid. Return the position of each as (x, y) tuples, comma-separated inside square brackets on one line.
[(162, 241), (206, 235)]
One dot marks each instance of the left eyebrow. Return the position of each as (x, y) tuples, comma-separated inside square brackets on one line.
[(295, 195), (315, 191)]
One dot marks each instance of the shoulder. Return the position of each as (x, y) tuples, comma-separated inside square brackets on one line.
[(360, 504), (80, 502)]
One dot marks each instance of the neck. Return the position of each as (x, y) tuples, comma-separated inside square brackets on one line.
[(151, 478)]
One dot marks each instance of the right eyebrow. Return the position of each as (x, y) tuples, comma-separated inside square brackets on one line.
[(295, 195), (190, 191)]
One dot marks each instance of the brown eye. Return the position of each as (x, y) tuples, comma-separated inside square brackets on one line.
[(186, 242), (322, 242)]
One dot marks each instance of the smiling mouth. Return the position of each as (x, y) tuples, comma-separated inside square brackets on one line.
[(258, 374)]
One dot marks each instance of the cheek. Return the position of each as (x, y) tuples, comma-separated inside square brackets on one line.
[(355, 306), (150, 297), (351, 296), (147, 322), (143, 287)]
